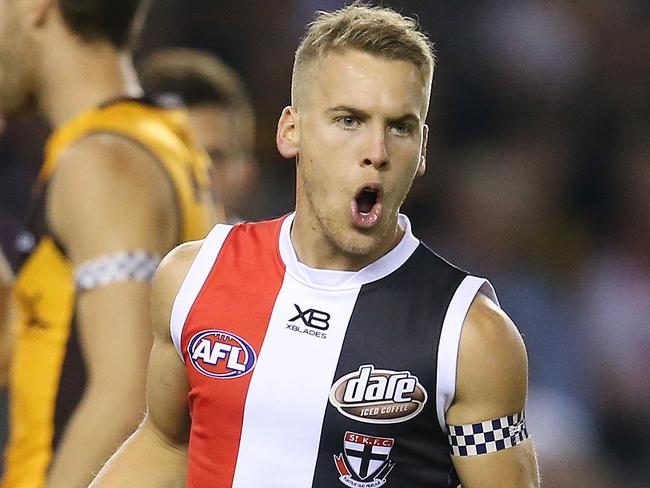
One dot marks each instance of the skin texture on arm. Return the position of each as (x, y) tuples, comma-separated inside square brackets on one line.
[(108, 195), (492, 382), (6, 279), (155, 456)]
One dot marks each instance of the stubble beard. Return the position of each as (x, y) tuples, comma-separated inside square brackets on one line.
[(347, 240)]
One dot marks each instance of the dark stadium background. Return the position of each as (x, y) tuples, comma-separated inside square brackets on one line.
[(538, 178)]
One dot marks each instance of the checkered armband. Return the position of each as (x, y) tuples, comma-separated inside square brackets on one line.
[(138, 265), (488, 436)]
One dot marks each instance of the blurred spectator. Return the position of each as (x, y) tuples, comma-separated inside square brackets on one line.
[(616, 298), (504, 218), (534, 50), (220, 113)]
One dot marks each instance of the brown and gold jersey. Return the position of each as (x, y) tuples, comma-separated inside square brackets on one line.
[(48, 377)]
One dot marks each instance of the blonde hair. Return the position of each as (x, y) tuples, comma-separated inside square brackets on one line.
[(375, 30)]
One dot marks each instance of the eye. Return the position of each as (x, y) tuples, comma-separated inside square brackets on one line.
[(348, 122), (401, 129)]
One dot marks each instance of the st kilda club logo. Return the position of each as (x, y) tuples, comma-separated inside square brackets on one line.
[(220, 354), (365, 461), (378, 396)]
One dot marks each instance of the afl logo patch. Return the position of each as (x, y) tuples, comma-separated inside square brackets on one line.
[(378, 396), (220, 354)]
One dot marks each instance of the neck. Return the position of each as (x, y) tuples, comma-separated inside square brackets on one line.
[(316, 250), (78, 77)]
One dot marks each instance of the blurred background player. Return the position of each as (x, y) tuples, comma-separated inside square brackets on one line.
[(122, 183), (220, 113)]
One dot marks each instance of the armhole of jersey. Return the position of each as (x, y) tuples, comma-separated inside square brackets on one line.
[(449, 343), (194, 280)]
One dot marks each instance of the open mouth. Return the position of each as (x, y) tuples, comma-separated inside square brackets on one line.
[(366, 206), (366, 200)]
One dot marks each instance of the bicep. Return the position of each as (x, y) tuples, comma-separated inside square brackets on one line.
[(492, 385), (110, 196), (167, 389), (106, 204), (167, 383)]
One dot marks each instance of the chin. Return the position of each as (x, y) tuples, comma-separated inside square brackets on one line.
[(354, 242)]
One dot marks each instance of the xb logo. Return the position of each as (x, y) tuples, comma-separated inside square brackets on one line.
[(316, 319)]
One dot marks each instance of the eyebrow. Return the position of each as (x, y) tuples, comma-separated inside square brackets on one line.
[(351, 110), (408, 117)]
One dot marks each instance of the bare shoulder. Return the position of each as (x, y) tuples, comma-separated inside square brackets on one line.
[(111, 181), (492, 377), (487, 329), (103, 157), (167, 282)]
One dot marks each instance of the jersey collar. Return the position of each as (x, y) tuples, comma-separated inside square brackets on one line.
[(341, 280)]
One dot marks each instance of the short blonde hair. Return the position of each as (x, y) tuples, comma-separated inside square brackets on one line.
[(375, 30)]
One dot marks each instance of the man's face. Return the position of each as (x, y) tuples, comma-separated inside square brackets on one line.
[(233, 173), (16, 58), (361, 144)]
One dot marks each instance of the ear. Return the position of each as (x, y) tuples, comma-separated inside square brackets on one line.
[(422, 167), (39, 10), (287, 137)]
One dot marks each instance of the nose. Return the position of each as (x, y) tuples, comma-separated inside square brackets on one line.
[(376, 152)]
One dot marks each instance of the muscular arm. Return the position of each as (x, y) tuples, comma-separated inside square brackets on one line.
[(155, 456), (107, 196), (492, 382)]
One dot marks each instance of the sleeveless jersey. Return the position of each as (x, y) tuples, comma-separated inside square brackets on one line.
[(47, 377), (312, 378)]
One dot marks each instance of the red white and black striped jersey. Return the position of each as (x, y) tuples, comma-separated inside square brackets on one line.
[(302, 377)]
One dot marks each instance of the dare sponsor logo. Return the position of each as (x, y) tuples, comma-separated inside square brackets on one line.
[(220, 354), (378, 396)]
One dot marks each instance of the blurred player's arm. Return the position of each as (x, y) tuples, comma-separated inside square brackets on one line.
[(155, 456), (6, 336), (109, 196), (492, 382)]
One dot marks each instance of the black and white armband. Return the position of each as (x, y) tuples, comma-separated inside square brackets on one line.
[(488, 436), (137, 265)]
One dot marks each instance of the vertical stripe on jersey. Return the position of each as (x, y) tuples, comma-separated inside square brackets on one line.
[(396, 326), (294, 373), (249, 268), (194, 281), (450, 341)]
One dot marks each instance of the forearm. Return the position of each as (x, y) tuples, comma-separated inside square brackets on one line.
[(145, 460), (99, 425)]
